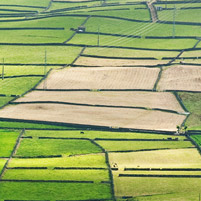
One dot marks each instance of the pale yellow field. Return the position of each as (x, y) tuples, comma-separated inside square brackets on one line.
[(137, 99), (181, 78), (102, 78), (173, 158), (112, 117), (89, 61)]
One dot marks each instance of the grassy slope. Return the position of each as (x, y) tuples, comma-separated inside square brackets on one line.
[(99, 134), (53, 191), (91, 160), (34, 147), (192, 101), (7, 142)]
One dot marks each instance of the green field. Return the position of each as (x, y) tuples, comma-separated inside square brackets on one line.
[(140, 145), (2, 163), (93, 160), (54, 161), (192, 101), (7, 141), (53, 191), (44, 147), (98, 134)]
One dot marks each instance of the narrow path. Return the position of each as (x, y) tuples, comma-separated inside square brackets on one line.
[(153, 12)]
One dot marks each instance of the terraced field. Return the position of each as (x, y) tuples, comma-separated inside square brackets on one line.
[(100, 100)]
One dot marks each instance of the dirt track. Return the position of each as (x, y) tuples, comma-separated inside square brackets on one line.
[(115, 117), (102, 78), (138, 99)]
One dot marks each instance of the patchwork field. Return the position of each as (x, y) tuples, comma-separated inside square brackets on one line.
[(100, 100)]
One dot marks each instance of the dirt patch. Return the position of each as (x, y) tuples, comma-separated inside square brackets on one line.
[(181, 78), (102, 78), (113, 117), (161, 100), (87, 61)]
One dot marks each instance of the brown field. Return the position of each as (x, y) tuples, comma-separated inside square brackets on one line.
[(181, 78), (162, 100), (113, 117), (89, 61), (173, 158), (102, 78)]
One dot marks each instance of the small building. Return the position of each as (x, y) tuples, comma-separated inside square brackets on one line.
[(81, 29), (159, 8)]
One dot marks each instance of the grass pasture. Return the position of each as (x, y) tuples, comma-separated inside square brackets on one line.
[(53, 191), (44, 147), (75, 175), (2, 163), (90, 160), (141, 145), (7, 142), (98, 134)]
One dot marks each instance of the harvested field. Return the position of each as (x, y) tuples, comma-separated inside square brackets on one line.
[(87, 61), (181, 78), (139, 99), (102, 78), (115, 117), (174, 158)]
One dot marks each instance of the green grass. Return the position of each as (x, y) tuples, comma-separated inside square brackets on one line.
[(5, 100), (91, 160), (36, 54), (190, 15), (20, 125), (7, 142), (197, 139), (192, 101), (132, 13), (76, 175), (17, 86), (98, 134), (91, 39), (116, 26), (35, 147), (139, 145), (114, 52), (2, 163), (53, 191), (25, 2), (24, 70), (40, 36)]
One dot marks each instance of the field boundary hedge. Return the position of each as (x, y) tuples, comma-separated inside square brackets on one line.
[(12, 154), (88, 127), (92, 105), (158, 79), (194, 143), (78, 56), (126, 58), (139, 150)]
